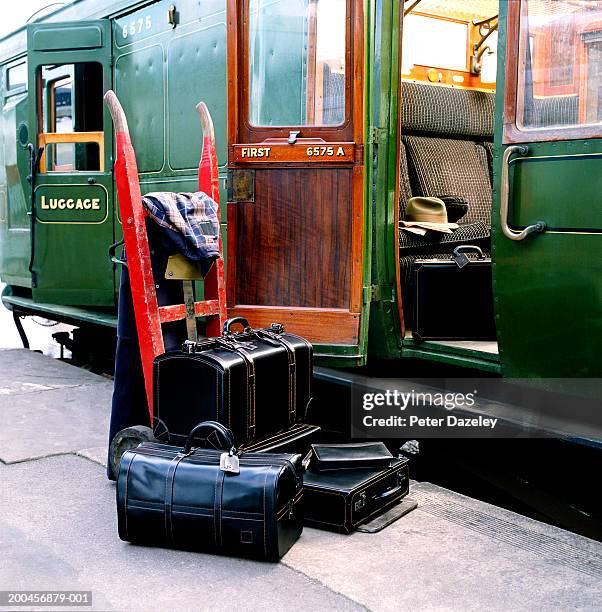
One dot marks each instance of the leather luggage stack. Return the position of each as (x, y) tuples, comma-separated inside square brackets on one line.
[(229, 411), (255, 382)]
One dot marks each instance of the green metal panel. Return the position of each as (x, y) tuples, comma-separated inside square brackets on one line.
[(74, 210), (62, 38), (200, 52), (139, 85), (548, 288), (384, 339)]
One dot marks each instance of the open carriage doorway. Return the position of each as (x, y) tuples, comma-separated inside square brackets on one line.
[(446, 122), (295, 246)]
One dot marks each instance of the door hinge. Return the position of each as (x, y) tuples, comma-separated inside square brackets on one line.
[(371, 294), (378, 135)]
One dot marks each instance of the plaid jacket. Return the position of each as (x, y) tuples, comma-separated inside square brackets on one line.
[(189, 219)]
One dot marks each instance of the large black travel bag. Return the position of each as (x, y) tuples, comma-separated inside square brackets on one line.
[(255, 382), (342, 500), (241, 504), (453, 298)]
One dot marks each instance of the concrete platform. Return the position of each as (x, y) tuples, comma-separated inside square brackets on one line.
[(58, 531)]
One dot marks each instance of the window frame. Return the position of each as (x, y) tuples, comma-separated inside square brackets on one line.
[(46, 138), (514, 107), (16, 89), (254, 133)]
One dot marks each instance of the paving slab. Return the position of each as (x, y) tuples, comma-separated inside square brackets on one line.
[(49, 407), (457, 553), (58, 530)]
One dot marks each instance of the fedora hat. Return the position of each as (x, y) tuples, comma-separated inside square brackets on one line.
[(428, 214)]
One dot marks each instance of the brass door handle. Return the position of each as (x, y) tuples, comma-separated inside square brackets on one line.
[(538, 227)]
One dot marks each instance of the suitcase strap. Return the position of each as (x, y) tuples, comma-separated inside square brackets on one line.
[(292, 370), (168, 503), (236, 347)]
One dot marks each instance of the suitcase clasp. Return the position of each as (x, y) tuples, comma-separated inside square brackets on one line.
[(360, 503)]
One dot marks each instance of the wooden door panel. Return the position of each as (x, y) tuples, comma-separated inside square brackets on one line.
[(296, 235)]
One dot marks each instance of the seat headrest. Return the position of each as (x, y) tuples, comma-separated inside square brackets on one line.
[(446, 111)]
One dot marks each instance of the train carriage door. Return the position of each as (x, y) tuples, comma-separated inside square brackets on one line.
[(72, 227), (548, 224), (295, 212)]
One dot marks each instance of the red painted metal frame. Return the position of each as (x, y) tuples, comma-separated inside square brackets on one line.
[(149, 316)]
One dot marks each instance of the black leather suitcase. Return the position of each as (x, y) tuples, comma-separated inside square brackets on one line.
[(240, 504), (342, 500), (256, 383), (453, 298)]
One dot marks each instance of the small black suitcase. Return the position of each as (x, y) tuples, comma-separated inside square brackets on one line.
[(342, 500), (243, 504), (256, 383), (453, 298)]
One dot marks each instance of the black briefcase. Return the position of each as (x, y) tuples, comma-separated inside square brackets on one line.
[(256, 383), (453, 298), (210, 500), (344, 499)]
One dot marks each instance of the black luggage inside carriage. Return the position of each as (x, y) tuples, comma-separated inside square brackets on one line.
[(256, 383), (453, 298), (341, 500)]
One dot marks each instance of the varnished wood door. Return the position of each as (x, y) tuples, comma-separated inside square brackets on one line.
[(295, 131)]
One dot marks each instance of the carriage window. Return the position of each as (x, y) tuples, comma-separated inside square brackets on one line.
[(71, 118), (16, 76), (560, 64), (430, 41), (297, 62)]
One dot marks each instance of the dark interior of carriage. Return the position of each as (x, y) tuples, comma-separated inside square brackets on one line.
[(446, 152)]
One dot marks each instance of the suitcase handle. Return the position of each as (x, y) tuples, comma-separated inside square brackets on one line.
[(224, 435), (389, 493), (467, 248), (230, 322)]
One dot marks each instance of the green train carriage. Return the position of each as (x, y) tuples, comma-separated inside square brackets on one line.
[(329, 115)]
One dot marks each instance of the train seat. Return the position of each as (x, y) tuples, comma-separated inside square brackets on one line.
[(445, 150)]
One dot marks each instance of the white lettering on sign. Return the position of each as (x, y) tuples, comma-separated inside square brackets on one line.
[(136, 26), (69, 203), (256, 151)]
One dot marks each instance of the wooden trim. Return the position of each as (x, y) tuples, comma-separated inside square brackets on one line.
[(322, 325), (514, 107), (46, 138), (357, 224), (278, 150), (312, 37)]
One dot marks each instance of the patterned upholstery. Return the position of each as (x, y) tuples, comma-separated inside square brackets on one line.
[(443, 166), (489, 150), (446, 111), (445, 150), (553, 111)]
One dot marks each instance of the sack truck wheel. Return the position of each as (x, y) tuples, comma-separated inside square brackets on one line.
[(128, 438)]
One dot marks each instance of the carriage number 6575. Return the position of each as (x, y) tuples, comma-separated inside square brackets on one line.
[(320, 151), (136, 26)]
